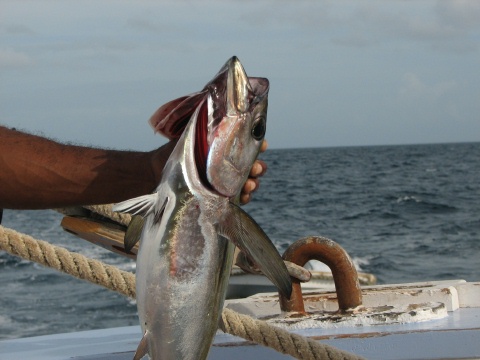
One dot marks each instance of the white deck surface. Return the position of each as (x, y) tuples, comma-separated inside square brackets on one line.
[(455, 336)]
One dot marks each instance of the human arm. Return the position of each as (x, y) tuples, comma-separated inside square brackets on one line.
[(38, 173)]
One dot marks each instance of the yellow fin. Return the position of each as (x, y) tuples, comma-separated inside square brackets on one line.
[(142, 348)]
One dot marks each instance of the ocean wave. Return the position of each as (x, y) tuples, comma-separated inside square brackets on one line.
[(5, 320), (417, 204), (404, 199), (372, 213), (10, 261)]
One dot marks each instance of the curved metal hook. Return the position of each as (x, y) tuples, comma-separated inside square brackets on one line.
[(336, 258)]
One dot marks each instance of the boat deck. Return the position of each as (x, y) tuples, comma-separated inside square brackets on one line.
[(452, 333)]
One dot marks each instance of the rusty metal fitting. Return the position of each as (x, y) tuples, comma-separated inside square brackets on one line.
[(345, 275)]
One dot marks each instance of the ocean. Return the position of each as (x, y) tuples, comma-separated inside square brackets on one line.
[(403, 213)]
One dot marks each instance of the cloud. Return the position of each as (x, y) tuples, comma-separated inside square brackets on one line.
[(441, 25), (462, 14), (354, 40), (14, 59), (17, 29), (414, 88), (145, 25)]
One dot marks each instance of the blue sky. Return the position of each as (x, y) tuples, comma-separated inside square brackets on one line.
[(342, 72)]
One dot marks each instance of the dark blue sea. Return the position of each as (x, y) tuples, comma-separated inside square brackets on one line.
[(404, 213)]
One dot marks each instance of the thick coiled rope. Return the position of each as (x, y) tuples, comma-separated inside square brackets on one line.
[(61, 259), (262, 333), (102, 210), (95, 271)]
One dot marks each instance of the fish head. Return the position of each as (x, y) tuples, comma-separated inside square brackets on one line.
[(230, 114), (237, 118)]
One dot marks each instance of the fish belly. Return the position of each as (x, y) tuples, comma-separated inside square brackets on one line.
[(181, 287)]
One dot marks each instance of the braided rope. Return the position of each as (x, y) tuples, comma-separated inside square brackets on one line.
[(106, 210), (262, 333), (103, 210), (95, 271), (63, 260)]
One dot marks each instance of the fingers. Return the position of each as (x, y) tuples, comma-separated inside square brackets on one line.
[(252, 184), (264, 146), (298, 272), (259, 168), (244, 198)]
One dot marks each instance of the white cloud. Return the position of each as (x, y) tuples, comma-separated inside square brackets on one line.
[(320, 55), (145, 25), (14, 59), (463, 14), (414, 88), (452, 26)]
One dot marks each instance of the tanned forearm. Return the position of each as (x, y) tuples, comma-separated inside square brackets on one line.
[(37, 173)]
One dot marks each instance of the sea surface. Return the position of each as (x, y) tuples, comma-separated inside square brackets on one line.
[(404, 213)]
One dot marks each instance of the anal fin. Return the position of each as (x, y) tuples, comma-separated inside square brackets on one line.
[(142, 348)]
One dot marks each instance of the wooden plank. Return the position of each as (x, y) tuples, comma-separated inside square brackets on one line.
[(106, 235)]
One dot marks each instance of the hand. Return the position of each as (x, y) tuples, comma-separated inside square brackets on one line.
[(253, 183)]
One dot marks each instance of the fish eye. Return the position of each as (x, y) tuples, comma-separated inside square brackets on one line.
[(259, 128)]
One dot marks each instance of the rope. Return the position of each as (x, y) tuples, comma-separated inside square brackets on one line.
[(68, 262), (106, 210), (108, 276), (103, 210), (262, 333)]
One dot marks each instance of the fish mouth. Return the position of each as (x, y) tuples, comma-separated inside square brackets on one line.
[(235, 103)]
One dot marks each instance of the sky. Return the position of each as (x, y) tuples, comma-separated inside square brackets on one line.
[(342, 73)]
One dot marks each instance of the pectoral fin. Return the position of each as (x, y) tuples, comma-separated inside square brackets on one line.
[(172, 118), (139, 208), (245, 233), (142, 348), (142, 205)]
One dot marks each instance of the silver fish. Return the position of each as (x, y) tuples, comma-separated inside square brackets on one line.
[(192, 221)]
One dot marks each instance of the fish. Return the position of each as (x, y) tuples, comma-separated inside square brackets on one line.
[(192, 221)]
